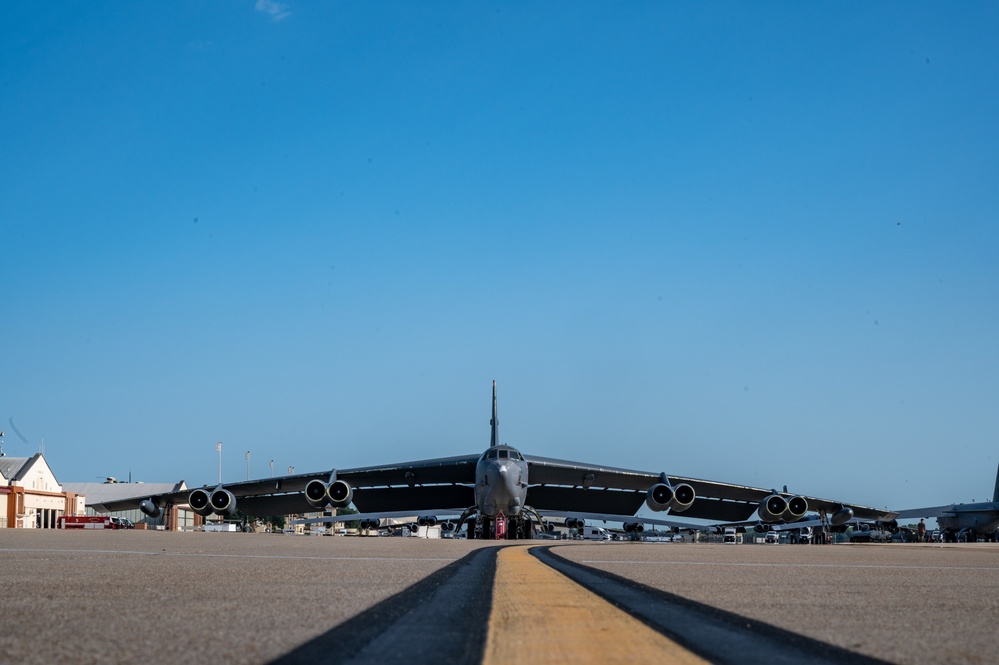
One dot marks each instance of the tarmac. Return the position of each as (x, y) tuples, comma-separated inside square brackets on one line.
[(158, 597)]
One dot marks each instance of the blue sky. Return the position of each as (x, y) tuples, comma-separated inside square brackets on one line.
[(748, 242)]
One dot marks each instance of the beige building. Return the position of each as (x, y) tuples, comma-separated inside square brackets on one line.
[(30, 495)]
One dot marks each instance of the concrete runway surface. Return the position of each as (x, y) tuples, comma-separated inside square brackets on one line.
[(155, 597)]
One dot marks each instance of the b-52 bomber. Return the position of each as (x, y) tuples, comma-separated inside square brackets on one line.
[(502, 486), (964, 521)]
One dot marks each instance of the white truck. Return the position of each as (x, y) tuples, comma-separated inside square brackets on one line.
[(595, 533), (730, 536)]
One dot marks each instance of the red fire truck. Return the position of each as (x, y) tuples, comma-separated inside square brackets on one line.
[(88, 522)]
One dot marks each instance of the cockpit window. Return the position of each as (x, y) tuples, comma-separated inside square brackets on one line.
[(502, 453)]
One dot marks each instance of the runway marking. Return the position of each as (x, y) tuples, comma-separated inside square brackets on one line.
[(785, 565), (230, 556), (718, 635), (540, 615)]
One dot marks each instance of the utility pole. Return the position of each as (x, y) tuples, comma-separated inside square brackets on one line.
[(247, 464), (218, 449)]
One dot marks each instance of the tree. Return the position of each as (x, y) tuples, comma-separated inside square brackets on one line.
[(356, 524)]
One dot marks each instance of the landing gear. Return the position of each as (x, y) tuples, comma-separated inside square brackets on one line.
[(484, 528)]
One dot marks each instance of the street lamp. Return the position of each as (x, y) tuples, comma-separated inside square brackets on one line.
[(247, 464), (272, 468), (218, 449)]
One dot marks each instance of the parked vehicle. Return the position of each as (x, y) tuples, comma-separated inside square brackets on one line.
[(87, 522), (595, 533)]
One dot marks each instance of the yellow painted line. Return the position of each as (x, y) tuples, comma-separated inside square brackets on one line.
[(541, 616)]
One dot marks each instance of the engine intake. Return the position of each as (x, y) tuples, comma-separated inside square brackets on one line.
[(223, 502), (797, 506), (772, 508), (634, 527), (200, 502), (338, 493), (661, 497), (427, 520)]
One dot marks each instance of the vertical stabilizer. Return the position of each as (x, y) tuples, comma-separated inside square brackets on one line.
[(494, 423), (995, 494)]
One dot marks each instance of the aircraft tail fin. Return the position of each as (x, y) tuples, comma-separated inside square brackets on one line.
[(494, 423), (995, 494)]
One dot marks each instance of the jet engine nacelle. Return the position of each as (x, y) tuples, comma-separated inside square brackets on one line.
[(427, 520), (841, 516), (149, 508), (413, 528), (200, 502), (338, 493), (661, 497), (772, 508), (447, 526), (891, 526), (315, 493), (223, 502), (797, 506), (547, 527), (761, 527), (634, 527), (573, 523), (369, 524)]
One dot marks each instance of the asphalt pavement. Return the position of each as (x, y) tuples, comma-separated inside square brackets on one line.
[(157, 597)]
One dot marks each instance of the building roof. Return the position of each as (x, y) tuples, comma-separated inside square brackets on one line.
[(14, 468), (102, 492), (11, 466)]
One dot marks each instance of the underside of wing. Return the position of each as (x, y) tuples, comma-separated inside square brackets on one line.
[(568, 486), (935, 511), (404, 486), (611, 517)]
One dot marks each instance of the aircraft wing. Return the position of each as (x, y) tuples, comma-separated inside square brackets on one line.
[(416, 487), (935, 511), (574, 486), (442, 514), (642, 519)]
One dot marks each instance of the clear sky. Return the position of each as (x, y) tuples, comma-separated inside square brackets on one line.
[(751, 242)]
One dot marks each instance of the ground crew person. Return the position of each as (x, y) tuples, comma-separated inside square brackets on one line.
[(921, 531)]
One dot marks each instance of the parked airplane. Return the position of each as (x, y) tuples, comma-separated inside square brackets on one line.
[(963, 521), (501, 486)]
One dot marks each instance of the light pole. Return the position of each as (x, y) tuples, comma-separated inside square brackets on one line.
[(291, 470), (247, 464), (272, 468), (218, 449)]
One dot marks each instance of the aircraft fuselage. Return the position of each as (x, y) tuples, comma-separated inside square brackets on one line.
[(500, 482), (979, 518)]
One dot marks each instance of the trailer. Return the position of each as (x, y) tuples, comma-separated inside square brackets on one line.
[(87, 522)]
